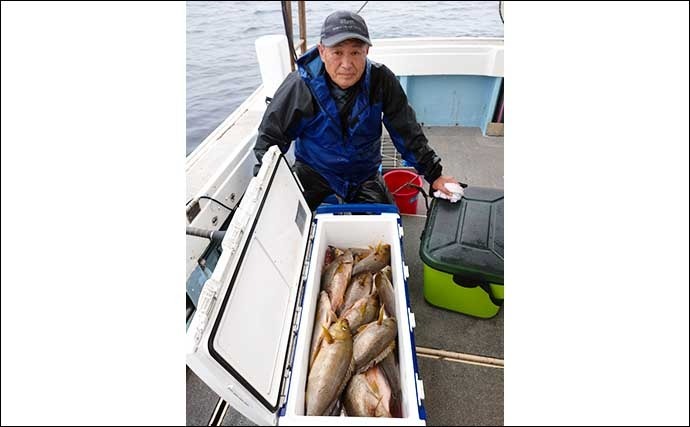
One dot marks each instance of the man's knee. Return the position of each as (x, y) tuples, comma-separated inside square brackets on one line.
[(374, 191), (316, 188)]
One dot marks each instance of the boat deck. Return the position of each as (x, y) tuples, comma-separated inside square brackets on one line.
[(465, 386)]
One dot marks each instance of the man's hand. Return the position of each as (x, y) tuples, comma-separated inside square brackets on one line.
[(440, 184)]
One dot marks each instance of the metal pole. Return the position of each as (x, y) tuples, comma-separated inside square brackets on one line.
[(302, 26), (288, 6)]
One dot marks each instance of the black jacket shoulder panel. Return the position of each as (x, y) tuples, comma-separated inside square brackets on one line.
[(292, 102)]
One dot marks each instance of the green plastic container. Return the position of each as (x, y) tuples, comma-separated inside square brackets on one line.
[(462, 251)]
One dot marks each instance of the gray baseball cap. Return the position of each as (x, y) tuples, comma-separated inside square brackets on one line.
[(342, 25)]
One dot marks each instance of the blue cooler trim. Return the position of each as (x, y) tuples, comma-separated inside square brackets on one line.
[(420, 408), (402, 250), (368, 208)]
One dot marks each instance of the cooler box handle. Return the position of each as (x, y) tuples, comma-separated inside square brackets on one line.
[(473, 282), (367, 208)]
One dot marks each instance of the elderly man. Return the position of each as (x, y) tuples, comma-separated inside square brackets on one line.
[(333, 106)]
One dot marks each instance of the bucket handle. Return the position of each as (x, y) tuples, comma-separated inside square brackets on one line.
[(407, 184), (417, 187), (421, 190), (424, 193), (470, 282)]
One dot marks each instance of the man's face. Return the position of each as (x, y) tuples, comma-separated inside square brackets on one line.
[(345, 61)]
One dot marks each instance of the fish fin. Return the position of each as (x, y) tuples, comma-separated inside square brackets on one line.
[(332, 317), (375, 388), (363, 309), (316, 352), (361, 328), (381, 311), (327, 335), (378, 403)]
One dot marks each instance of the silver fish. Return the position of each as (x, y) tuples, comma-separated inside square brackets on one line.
[(368, 395), (359, 254), (331, 370), (388, 272), (330, 267), (336, 277), (323, 317), (373, 342), (376, 260), (337, 409), (390, 369), (359, 287), (362, 312), (385, 290)]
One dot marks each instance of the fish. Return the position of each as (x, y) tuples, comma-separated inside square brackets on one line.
[(375, 261), (330, 267), (337, 409), (331, 371), (368, 395), (373, 342), (331, 253), (362, 312), (323, 317), (376, 378), (390, 369), (388, 272), (359, 287), (359, 254), (336, 277), (385, 290)]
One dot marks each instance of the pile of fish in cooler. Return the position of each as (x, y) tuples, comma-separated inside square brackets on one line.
[(352, 365)]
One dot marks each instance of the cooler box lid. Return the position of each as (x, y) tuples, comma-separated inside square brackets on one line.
[(466, 238), (263, 256)]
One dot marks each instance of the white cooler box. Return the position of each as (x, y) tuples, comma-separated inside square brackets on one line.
[(250, 337)]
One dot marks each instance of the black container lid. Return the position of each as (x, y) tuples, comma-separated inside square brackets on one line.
[(466, 238)]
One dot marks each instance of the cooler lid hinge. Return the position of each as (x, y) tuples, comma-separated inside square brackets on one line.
[(307, 256), (413, 321), (420, 389), (287, 372), (207, 300)]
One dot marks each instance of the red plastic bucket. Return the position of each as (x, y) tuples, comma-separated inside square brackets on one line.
[(405, 196)]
